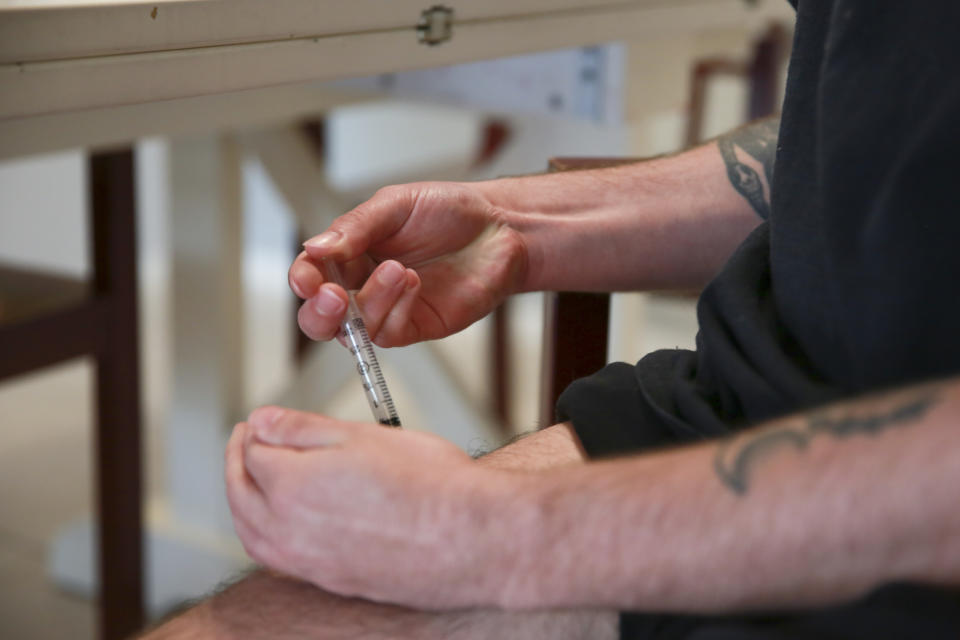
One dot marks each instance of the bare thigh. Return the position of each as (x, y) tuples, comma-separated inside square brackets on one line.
[(263, 605)]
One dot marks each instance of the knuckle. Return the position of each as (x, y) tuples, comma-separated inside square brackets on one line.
[(355, 216), (461, 197), (264, 414), (284, 426), (389, 191)]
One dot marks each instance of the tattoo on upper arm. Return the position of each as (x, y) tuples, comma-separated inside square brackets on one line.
[(759, 141), (736, 456)]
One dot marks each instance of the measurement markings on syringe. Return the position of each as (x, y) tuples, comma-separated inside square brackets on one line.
[(364, 367), (358, 342)]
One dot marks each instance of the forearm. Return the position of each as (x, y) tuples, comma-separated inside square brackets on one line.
[(668, 222), (548, 448), (812, 509)]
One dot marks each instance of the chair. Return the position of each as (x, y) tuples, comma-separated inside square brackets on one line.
[(47, 319)]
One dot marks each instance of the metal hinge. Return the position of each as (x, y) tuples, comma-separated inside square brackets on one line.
[(436, 25)]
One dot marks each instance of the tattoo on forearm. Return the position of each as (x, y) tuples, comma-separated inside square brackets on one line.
[(759, 141), (737, 456)]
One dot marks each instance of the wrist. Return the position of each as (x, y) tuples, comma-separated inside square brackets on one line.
[(549, 213), (572, 224), (504, 496), (523, 550), (486, 526), (668, 222)]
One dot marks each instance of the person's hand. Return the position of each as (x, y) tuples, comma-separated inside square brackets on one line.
[(432, 258), (360, 510)]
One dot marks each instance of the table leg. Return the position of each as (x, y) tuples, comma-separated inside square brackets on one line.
[(118, 455), (208, 332)]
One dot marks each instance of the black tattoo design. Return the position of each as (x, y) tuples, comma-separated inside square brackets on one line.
[(736, 457), (759, 141)]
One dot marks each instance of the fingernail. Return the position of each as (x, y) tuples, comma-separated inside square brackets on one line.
[(327, 303), (411, 279), (264, 417), (326, 240), (390, 274), (296, 288)]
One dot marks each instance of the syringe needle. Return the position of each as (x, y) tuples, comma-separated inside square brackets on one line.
[(361, 347)]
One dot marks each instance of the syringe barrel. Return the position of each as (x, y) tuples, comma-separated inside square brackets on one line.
[(358, 342), (374, 385)]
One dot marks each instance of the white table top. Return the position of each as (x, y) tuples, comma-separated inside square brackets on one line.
[(62, 62)]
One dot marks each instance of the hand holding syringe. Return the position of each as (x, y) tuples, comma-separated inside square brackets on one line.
[(433, 258), (355, 338)]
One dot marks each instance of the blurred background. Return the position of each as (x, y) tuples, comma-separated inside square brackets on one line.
[(207, 358)]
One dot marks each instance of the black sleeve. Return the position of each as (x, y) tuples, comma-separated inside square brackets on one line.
[(626, 408)]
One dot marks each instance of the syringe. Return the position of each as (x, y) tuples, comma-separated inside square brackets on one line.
[(360, 346)]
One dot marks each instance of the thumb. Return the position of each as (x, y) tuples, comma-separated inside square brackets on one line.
[(352, 234), (281, 427)]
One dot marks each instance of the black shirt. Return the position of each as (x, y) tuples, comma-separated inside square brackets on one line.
[(850, 284)]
